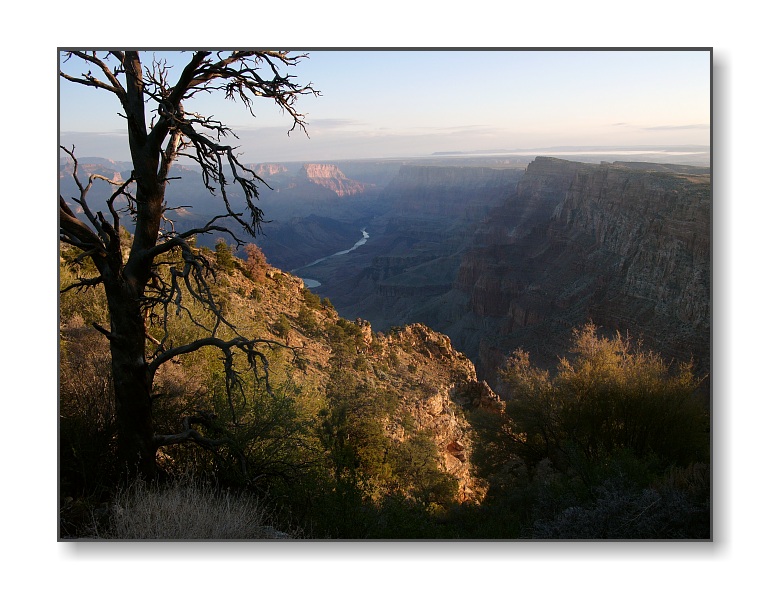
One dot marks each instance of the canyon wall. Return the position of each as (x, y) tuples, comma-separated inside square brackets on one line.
[(627, 246), (499, 263), (452, 193), (492, 256)]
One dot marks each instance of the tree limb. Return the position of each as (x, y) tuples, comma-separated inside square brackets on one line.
[(245, 344), (188, 433), (81, 284), (88, 79)]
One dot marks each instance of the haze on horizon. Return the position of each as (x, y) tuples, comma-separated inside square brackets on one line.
[(392, 103)]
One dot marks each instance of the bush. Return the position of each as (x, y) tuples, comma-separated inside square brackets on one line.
[(256, 263), (86, 410), (312, 300), (224, 256), (79, 306), (416, 466), (307, 321), (609, 398), (621, 511), (282, 327)]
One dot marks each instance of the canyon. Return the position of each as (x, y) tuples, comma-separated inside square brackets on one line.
[(502, 259), (393, 355), (496, 253)]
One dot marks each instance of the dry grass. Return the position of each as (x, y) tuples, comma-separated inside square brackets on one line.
[(186, 509)]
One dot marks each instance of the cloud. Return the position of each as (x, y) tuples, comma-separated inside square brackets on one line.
[(677, 127), (114, 132), (332, 123)]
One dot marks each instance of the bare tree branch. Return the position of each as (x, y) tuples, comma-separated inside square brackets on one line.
[(244, 344), (81, 284), (77, 233), (89, 79), (188, 433)]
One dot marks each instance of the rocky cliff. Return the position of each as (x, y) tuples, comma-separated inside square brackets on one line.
[(497, 265), (438, 385), (268, 171), (434, 384), (455, 193), (625, 245), (537, 193)]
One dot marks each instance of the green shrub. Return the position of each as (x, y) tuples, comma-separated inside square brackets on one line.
[(416, 465), (610, 397), (224, 256), (312, 300), (307, 321), (360, 364), (282, 326)]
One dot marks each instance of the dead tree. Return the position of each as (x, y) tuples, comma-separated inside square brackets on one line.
[(160, 131)]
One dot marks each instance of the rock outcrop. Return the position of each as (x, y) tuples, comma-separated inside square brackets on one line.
[(434, 384), (441, 383), (268, 170), (330, 177)]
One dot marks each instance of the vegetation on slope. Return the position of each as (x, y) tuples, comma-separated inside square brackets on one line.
[(350, 434), (615, 444), (313, 433)]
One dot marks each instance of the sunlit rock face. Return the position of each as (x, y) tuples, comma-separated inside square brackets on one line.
[(331, 177), (440, 386), (266, 170)]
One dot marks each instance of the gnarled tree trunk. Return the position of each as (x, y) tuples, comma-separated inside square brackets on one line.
[(132, 383)]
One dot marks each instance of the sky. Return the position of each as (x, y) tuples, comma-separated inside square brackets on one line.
[(390, 103)]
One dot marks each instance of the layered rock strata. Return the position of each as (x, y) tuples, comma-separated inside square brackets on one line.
[(625, 245)]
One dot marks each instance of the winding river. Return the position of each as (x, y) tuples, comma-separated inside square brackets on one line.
[(311, 283)]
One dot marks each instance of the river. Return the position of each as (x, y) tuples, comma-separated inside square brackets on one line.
[(312, 283)]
